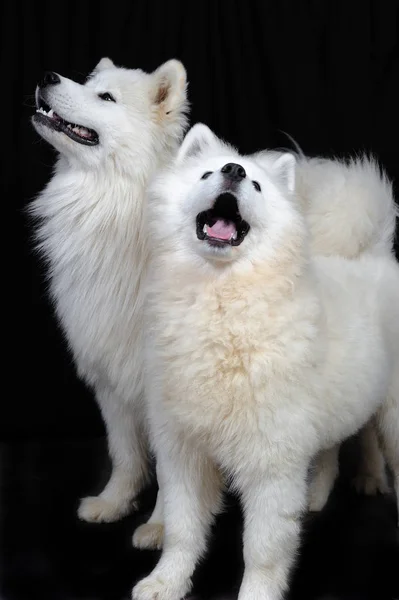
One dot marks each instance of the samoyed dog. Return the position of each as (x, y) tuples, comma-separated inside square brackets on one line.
[(350, 212), (259, 355), (111, 133)]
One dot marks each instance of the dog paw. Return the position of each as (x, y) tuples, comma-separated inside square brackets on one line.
[(95, 509), (370, 484), (149, 536), (157, 588)]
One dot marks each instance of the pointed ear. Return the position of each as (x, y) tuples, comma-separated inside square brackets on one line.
[(197, 139), (105, 63), (169, 86), (284, 170)]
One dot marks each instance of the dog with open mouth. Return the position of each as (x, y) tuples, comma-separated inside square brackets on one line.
[(259, 353), (111, 134)]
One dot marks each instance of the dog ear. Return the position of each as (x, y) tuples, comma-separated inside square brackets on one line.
[(197, 139), (280, 164), (284, 169), (169, 87), (105, 63)]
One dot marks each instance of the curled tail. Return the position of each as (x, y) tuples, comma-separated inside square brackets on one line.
[(349, 205)]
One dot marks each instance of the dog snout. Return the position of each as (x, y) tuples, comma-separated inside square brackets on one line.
[(234, 172), (49, 78)]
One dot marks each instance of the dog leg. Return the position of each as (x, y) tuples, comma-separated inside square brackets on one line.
[(323, 478), (272, 515), (192, 495), (388, 425), (149, 536), (371, 477), (127, 448)]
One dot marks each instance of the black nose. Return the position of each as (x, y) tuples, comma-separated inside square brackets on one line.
[(49, 78), (234, 172)]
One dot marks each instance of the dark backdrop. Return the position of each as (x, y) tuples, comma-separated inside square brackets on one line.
[(324, 71)]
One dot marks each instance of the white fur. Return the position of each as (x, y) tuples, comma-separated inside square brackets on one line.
[(259, 356), (349, 206), (91, 234), (350, 212)]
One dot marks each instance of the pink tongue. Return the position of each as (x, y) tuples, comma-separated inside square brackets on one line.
[(221, 230)]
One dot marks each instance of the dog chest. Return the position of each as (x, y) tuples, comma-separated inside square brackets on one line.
[(225, 364)]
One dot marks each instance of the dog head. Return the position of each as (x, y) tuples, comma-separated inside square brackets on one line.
[(217, 206), (119, 116)]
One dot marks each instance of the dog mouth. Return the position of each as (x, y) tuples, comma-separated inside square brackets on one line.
[(78, 133), (222, 225)]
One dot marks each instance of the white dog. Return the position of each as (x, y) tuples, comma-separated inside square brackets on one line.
[(333, 195), (112, 134), (259, 355)]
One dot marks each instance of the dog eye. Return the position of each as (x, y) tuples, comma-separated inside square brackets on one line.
[(256, 186), (206, 175), (107, 96)]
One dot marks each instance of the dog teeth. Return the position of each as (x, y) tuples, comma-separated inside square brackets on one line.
[(80, 131), (205, 228), (234, 236), (49, 114)]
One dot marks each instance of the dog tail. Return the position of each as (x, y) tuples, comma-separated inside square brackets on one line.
[(349, 205)]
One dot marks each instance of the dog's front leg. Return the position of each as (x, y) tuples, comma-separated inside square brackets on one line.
[(150, 535), (192, 495), (273, 504), (128, 449)]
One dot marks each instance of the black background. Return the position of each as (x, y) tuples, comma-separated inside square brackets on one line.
[(326, 73)]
